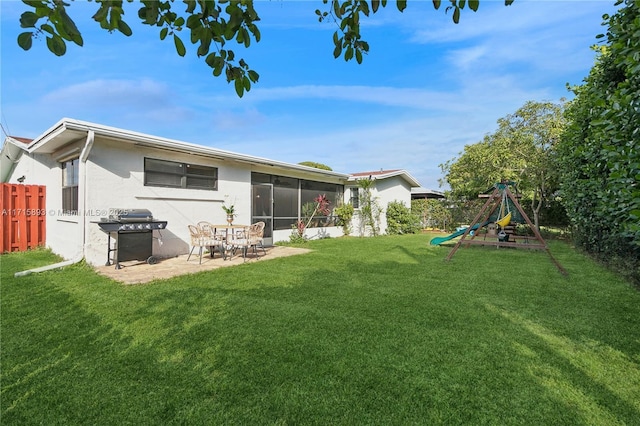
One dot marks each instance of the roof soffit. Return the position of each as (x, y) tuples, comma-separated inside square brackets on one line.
[(68, 131)]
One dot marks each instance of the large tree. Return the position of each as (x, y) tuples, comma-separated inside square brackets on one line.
[(211, 25), (522, 150)]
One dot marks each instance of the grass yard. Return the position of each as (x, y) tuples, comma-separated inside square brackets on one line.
[(377, 331)]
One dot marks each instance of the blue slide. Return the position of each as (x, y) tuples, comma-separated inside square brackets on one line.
[(439, 240)]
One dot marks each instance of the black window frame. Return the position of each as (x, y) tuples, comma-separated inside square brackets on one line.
[(184, 174)]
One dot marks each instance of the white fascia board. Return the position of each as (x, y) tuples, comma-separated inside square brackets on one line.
[(402, 173), (171, 144), (49, 134)]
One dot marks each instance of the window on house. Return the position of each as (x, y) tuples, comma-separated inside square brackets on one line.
[(70, 170), (179, 175), (291, 194), (355, 198)]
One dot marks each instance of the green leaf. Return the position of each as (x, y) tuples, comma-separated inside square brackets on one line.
[(255, 31), (337, 51), (336, 8), (359, 56), (205, 44), (124, 28), (56, 45), (401, 4), (474, 4), (47, 28), (218, 66), (364, 7), (28, 20), (348, 55), (25, 40), (254, 76), (163, 33), (436, 4), (456, 15), (70, 28), (179, 45), (101, 14), (375, 4), (239, 87)]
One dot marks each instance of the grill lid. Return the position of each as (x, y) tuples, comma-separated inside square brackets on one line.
[(131, 215)]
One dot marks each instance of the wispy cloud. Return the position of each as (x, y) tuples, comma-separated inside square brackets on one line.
[(112, 92)]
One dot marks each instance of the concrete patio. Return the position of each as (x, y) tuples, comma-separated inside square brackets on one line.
[(136, 272)]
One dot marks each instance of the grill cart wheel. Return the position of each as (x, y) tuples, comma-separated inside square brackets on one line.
[(152, 260)]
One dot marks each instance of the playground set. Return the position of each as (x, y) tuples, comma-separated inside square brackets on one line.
[(499, 215)]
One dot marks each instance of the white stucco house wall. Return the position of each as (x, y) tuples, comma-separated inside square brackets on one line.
[(98, 170), (388, 186)]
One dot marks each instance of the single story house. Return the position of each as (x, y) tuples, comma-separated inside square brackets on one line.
[(92, 171)]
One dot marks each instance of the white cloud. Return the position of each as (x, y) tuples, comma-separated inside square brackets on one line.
[(112, 92)]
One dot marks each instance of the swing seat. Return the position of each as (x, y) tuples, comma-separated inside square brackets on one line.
[(504, 221)]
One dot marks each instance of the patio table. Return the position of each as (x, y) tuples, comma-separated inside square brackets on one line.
[(228, 235)]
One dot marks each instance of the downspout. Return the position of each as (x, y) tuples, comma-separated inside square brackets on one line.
[(84, 155)]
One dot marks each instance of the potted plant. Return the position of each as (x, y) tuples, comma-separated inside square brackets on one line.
[(230, 211)]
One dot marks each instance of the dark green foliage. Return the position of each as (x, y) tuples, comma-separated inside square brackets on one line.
[(600, 151), (344, 213), (433, 213), (211, 26), (401, 220), (315, 165)]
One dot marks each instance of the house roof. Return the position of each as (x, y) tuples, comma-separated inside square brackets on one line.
[(425, 193), (12, 150), (67, 131), (25, 141), (386, 174)]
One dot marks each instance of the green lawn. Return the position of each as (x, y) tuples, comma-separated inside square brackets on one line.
[(378, 331)]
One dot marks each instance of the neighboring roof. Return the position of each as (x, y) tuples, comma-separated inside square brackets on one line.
[(12, 150), (25, 141), (69, 130), (421, 192), (385, 174)]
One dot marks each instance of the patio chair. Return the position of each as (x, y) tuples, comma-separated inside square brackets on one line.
[(196, 240), (212, 238), (200, 240), (251, 236)]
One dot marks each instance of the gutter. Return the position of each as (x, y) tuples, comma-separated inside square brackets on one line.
[(84, 155)]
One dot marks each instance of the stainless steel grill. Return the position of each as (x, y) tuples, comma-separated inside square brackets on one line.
[(132, 231)]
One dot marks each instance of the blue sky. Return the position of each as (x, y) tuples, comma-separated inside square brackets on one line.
[(427, 88)]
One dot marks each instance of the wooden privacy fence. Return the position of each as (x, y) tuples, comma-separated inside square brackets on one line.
[(24, 215)]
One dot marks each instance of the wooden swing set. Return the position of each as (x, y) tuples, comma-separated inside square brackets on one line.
[(501, 201)]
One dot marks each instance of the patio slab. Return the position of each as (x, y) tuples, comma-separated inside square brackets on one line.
[(135, 272)]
